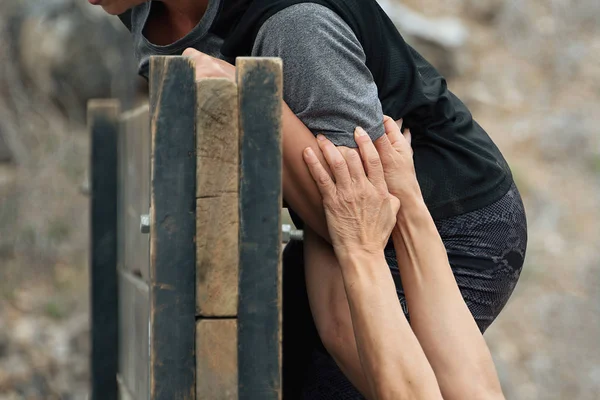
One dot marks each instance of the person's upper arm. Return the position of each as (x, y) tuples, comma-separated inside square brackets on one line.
[(326, 82)]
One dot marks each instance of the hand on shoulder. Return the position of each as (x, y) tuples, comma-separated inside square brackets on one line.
[(359, 209), (210, 67)]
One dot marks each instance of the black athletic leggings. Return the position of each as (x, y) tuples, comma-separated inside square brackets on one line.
[(486, 249)]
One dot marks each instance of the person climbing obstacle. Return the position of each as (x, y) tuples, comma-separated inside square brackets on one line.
[(345, 64)]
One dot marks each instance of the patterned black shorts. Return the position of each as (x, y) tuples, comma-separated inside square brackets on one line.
[(486, 249)]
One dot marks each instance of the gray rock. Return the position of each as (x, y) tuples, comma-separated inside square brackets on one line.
[(439, 40), (72, 52)]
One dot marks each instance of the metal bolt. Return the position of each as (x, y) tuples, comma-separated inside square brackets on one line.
[(145, 223), (297, 234), (288, 234), (285, 233)]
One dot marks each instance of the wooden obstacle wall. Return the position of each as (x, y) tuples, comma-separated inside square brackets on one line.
[(192, 308)]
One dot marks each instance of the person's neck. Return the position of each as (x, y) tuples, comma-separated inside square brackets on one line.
[(173, 19)]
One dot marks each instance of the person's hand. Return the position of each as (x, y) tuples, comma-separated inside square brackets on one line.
[(210, 67), (396, 155), (360, 211)]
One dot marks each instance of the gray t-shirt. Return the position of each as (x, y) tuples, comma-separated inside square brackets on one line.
[(326, 81)]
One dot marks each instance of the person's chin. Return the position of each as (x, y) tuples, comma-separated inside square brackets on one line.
[(114, 10)]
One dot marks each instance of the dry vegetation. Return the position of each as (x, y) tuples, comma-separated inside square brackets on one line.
[(530, 73)]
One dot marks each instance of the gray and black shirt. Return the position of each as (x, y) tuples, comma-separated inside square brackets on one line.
[(344, 65), (326, 82)]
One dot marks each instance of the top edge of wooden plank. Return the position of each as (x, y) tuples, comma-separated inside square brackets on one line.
[(103, 103), (131, 114), (154, 60), (259, 60), (168, 56), (103, 109)]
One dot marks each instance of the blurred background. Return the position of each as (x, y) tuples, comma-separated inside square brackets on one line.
[(529, 70)]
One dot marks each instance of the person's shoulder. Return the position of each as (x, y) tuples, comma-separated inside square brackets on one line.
[(307, 18), (305, 25), (306, 10)]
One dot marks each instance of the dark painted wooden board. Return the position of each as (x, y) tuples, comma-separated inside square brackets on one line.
[(217, 190), (216, 359), (172, 229), (103, 128), (259, 311), (133, 334), (134, 157)]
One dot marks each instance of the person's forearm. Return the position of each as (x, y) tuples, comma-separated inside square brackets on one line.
[(299, 189), (391, 357), (439, 316)]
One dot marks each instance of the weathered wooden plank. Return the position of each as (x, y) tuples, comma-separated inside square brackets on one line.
[(103, 127), (133, 334), (217, 256), (216, 359), (129, 189), (172, 228), (259, 310), (124, 392), (121, 197), (134, 158), (217, 230), (144, 199)]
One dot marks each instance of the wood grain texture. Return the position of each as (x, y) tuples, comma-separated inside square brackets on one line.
[(259, 311), (217, 191), (103, 128), (216, 359), (133, 334), (133, 255), (134, 193), (172, 229)]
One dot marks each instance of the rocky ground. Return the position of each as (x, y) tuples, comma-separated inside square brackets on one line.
[(529, 71)]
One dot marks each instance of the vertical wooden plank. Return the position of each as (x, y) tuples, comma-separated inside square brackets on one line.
[(259, 310), (217, 190), (103, 127), (131, 220), (172, 228), (124, 126), (135, 194), (144, 205), (216, 359), (133, 255), (133, 334)]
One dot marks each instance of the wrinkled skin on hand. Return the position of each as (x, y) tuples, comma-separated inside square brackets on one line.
[(396, 155), (360, 211)]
